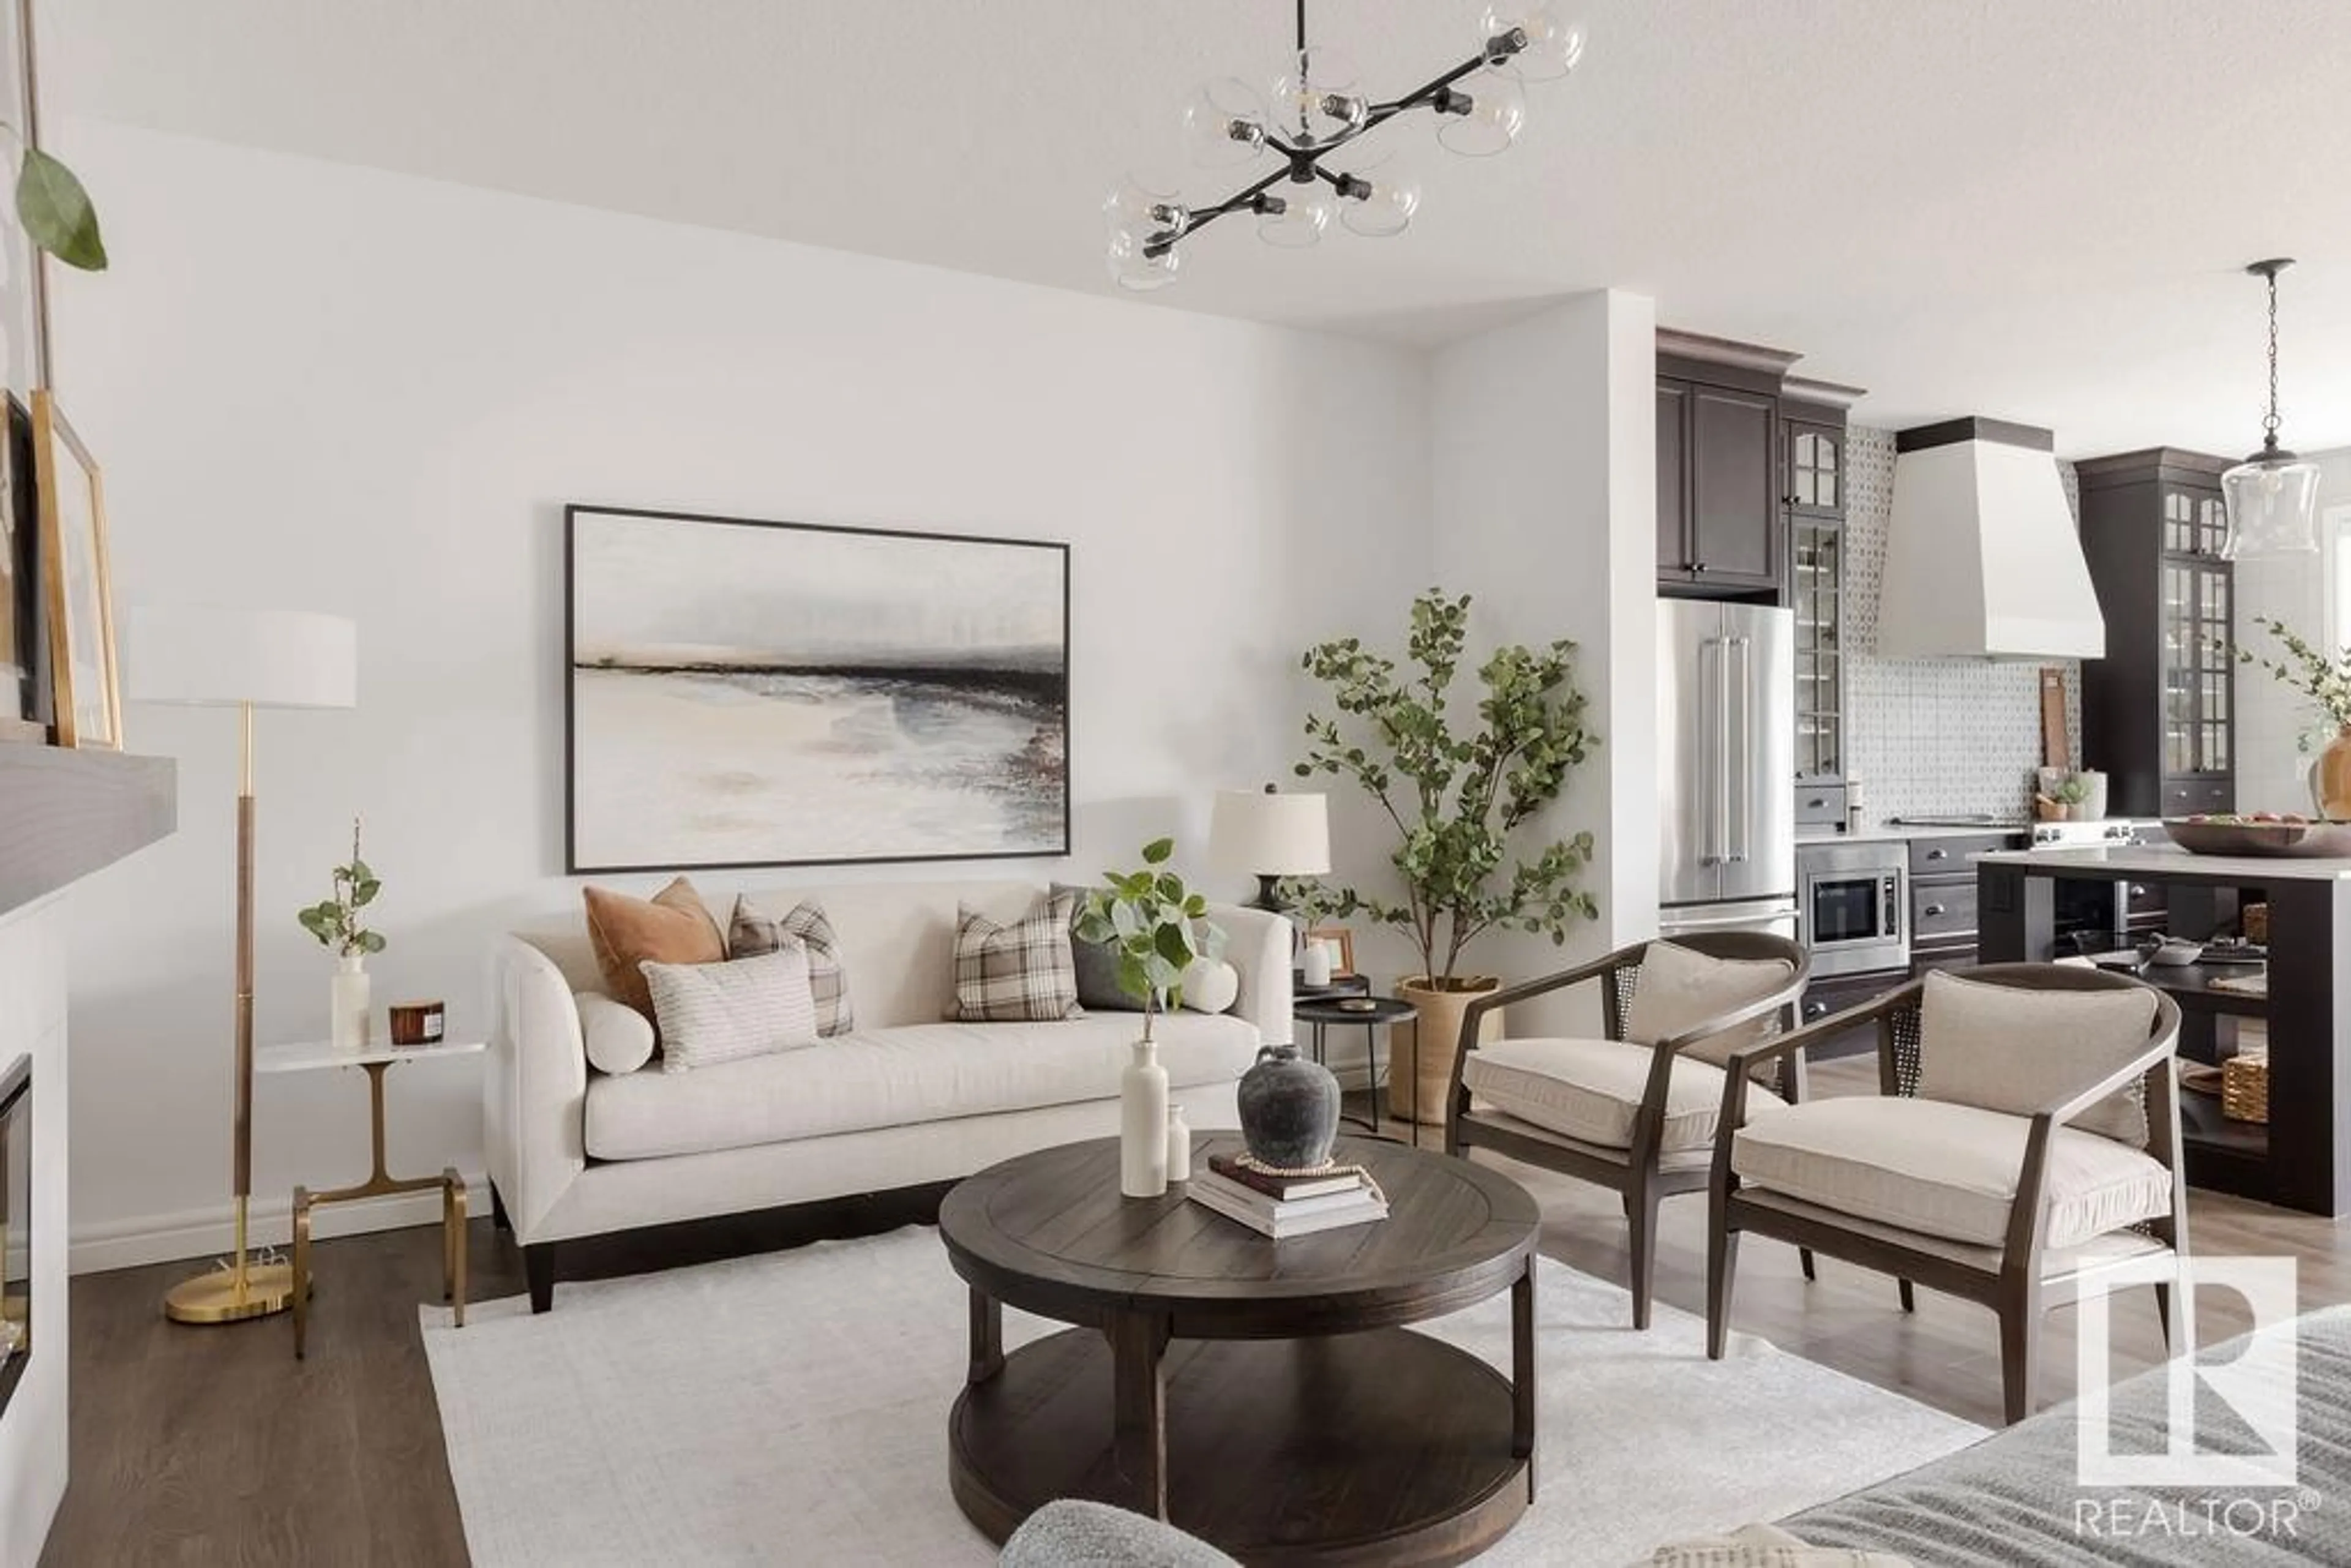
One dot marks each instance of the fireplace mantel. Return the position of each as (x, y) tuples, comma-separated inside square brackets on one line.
[(65, 814)]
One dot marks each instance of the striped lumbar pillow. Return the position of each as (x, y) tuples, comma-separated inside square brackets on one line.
[(1020, 973), (711, 1013), (753, 931)]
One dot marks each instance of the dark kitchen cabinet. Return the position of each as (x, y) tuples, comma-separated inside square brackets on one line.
[(2158, 712), (1721, 527), (1812, 460)]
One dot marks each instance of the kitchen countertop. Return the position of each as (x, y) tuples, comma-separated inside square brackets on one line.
[(1895, 833), (2169, 860)]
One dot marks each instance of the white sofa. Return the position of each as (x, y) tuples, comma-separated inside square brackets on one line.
[(907, 1099)]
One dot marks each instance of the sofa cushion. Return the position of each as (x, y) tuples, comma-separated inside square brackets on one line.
[(1680, 988), (2003, 1047), (616, 1039), (753, 932), (1023, 971), (714, 1013), (882, 1077), (1943, 1169), (674, 926), (1591, 1090), (1210, 986)]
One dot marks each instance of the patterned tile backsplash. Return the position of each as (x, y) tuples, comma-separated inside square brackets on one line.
[(1930, 736)]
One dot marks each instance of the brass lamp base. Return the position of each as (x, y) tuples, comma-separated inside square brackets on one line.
[(219, 1296)]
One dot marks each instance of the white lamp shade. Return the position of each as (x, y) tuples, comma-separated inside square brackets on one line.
[(1268, 834), (270, 658)]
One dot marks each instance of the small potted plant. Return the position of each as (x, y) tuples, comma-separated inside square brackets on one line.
[(335, 922)]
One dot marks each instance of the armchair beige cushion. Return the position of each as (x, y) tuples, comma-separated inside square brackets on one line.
[(2005, 1047), (1945, 1170), (1591, 1090), (1681, 988)]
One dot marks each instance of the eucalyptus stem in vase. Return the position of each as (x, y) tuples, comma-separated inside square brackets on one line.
[(335, 922), (2325, 680)]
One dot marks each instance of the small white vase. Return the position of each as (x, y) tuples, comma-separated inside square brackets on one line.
[(1142, 1124), (347, 1003), (1315, 965), (1179, 1146)]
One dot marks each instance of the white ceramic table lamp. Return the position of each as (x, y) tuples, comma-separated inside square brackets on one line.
[(1270, 835), (244, 659)]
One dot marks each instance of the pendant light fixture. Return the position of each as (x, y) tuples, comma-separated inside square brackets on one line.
[(1315, 110), (2272, 495)]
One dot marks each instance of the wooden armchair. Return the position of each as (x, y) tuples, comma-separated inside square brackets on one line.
[(2011, 1207), (1634, 1112)]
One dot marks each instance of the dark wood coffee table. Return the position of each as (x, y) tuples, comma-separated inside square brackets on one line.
[(1263, 1395)]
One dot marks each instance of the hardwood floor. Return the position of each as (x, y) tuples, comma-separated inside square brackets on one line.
[(214, 1446)]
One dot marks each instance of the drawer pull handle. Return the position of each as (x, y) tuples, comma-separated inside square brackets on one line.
[(1937, 855), (1933, 910)]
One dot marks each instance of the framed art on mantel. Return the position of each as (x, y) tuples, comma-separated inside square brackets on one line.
[(743, 692), (80, 593), (24, 655)]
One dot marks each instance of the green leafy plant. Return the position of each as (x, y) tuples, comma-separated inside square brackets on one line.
[(1157, 926), (336, 921), (55, 210), (2071, 791), (1456, 799), (2325, 680)]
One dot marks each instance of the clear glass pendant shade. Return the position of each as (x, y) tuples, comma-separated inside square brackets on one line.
[(1393, 197), (1305, 213), (1315, 101), (2273, 506), (1498, 113), (1225, 124), (1143, 219), (1555, 41)]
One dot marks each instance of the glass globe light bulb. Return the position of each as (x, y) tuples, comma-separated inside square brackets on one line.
[(1225, 124), (1391, 195), (1498, 113), (1315, 101), (1555, 42), (1134, 264), (1145, 209), (1305, 213)]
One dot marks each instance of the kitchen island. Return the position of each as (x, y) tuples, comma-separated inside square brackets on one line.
[(2301, 1158)]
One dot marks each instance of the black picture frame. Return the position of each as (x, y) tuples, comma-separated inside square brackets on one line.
[(27, 714), (1044, 688)]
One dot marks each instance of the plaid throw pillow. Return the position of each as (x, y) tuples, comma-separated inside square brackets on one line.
[(1020, 973), (753, 933)]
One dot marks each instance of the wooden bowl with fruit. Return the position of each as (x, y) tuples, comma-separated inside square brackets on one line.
[(2259, 833)]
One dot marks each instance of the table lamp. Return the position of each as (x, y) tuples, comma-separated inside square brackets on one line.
[(1270, 835), (245, 660)]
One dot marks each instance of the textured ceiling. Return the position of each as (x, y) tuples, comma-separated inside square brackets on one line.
[(2011, 207)]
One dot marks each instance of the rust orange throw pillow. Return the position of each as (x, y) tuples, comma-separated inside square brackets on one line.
[(672, 928)]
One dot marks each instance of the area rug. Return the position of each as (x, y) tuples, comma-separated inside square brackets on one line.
[(792, 1408)]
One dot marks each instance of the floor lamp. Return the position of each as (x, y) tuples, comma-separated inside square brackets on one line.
[(245, 660)]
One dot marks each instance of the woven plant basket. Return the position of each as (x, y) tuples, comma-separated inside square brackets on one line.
[(2245, 1087)]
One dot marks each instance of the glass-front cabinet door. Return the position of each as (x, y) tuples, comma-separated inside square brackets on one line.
[(2198, 629), (1815, 470), (1815, 587)]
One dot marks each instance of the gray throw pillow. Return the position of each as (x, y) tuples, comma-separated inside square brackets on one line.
[(1097, 962)]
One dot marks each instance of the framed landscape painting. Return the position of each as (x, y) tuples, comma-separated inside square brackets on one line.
[(743, 692)]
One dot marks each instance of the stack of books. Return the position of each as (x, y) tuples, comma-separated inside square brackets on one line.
[(1282, 1206)]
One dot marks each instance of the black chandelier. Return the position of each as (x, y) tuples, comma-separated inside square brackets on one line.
[(1313, 112)]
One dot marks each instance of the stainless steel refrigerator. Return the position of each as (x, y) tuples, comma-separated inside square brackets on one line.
[(1727, 763)]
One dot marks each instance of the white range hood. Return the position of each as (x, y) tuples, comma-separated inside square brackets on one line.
[(1983, 560)]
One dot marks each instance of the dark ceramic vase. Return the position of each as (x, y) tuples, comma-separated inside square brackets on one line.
[(1290, 1110)]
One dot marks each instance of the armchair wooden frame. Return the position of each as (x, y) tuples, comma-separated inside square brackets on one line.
[(2015, 1280), (1640, 1173)]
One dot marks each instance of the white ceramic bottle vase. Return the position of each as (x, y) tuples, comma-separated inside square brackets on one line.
[(1179, 1146), (1142, 1124), (348, 1003)]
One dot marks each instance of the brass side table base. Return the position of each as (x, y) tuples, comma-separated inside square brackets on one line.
[(382, 1183), (218, 1297)]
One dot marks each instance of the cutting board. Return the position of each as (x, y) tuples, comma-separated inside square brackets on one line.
[(2054, 750)]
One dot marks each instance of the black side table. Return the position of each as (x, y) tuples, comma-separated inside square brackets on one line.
[(1320, 1012)]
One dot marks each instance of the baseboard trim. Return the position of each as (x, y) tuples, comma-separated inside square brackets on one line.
[(208, 1232)]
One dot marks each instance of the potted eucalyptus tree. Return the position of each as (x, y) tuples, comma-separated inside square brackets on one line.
[(1464, 800)]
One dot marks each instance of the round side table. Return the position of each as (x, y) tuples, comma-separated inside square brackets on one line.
[(1373, 1014)]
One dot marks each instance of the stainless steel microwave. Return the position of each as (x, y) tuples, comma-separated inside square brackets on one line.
[(1854, 901)]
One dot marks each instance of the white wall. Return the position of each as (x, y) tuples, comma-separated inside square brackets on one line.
[(1544, 459), (319, 387), (33, 1023), (2270, 718)]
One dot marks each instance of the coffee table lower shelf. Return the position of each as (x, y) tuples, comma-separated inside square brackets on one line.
[(1386, 1447)]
